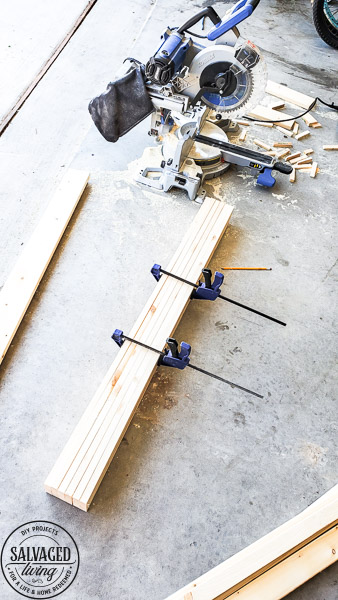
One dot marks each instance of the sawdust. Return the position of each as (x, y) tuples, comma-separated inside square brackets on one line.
[(312, 453)]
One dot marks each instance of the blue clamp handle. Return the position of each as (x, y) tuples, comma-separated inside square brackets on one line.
[(207, 290), (242, 10), (156, 271), (265, 178), (178, 359), (118, 337)]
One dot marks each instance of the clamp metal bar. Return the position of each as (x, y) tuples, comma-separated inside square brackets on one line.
[(196, 286), (119, 337)]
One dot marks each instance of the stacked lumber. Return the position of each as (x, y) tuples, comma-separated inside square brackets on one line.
[(279, 562), (27, 273), (83, 462)]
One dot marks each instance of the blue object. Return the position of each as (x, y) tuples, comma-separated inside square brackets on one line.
[(207, 290), (265, 178), (232, 99), (242, 10), (156, 271), (178, 359), (118, 337), (172, 48)]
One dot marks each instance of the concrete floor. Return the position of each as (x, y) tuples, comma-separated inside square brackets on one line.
[(203, 470)]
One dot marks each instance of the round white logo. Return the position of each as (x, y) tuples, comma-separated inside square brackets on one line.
[(40, 559)]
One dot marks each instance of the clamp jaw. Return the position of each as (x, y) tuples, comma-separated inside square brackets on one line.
[(118, 337), (174, 357), (207, 290), (156, 272)]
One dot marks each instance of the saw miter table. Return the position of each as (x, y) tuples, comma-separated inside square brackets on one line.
[(192, 93)]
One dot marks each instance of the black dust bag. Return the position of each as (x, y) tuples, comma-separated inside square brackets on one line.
[(123, 105)]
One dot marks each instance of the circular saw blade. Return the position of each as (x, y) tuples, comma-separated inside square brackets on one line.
[(249, 83)]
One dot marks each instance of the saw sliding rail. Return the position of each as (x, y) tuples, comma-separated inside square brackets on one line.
[(244, 157)]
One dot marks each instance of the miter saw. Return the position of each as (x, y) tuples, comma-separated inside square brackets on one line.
[(192, 93)]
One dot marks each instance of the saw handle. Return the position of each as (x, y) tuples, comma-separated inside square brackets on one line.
[(283, 168), (242, 10), (206, 12)]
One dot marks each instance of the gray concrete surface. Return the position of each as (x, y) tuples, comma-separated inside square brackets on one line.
[(203, 470)]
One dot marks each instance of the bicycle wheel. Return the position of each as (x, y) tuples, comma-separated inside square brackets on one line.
[(325, 17)]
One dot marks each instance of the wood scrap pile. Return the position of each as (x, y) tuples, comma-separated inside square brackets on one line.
[(301, 160)]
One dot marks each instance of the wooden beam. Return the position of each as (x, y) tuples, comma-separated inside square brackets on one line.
[(42, 72), (289, 95), (285, 577), (83, 462), (268, 114), (27, 273), (293, 553)]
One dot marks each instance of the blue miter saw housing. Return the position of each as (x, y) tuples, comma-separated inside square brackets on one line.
[(192, 92), (170, 55)]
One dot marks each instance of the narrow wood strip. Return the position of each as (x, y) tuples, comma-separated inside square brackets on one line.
[(277, 105), (284, 131), (293, 156), (152, 334), (283, 154), (283, 145), (309, 119), (262, 144), (13, 111), (242, 136), (268, 114), (26, 275), (289, 95), (291, 573), (302, 135), (314, 170), (261, 556), (69, 453)]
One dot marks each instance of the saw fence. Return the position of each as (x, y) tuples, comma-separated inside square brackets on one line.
[(83, 463)]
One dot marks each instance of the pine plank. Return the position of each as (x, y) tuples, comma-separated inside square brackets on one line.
[(291, 573), (27, 273), (289, 95), (38, 35), (268, 114), (249, 565), (82, 464)]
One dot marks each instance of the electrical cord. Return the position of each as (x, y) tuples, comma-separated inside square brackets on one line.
[(202, 37), (332, 105)]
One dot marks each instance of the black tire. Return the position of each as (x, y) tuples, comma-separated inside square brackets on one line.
[(327, 31)]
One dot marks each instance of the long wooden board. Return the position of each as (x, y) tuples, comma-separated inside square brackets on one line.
[(27, 273), (21, 72), (269, 114), (297, 550), (289, 95), (83, 462), (288, 575)]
